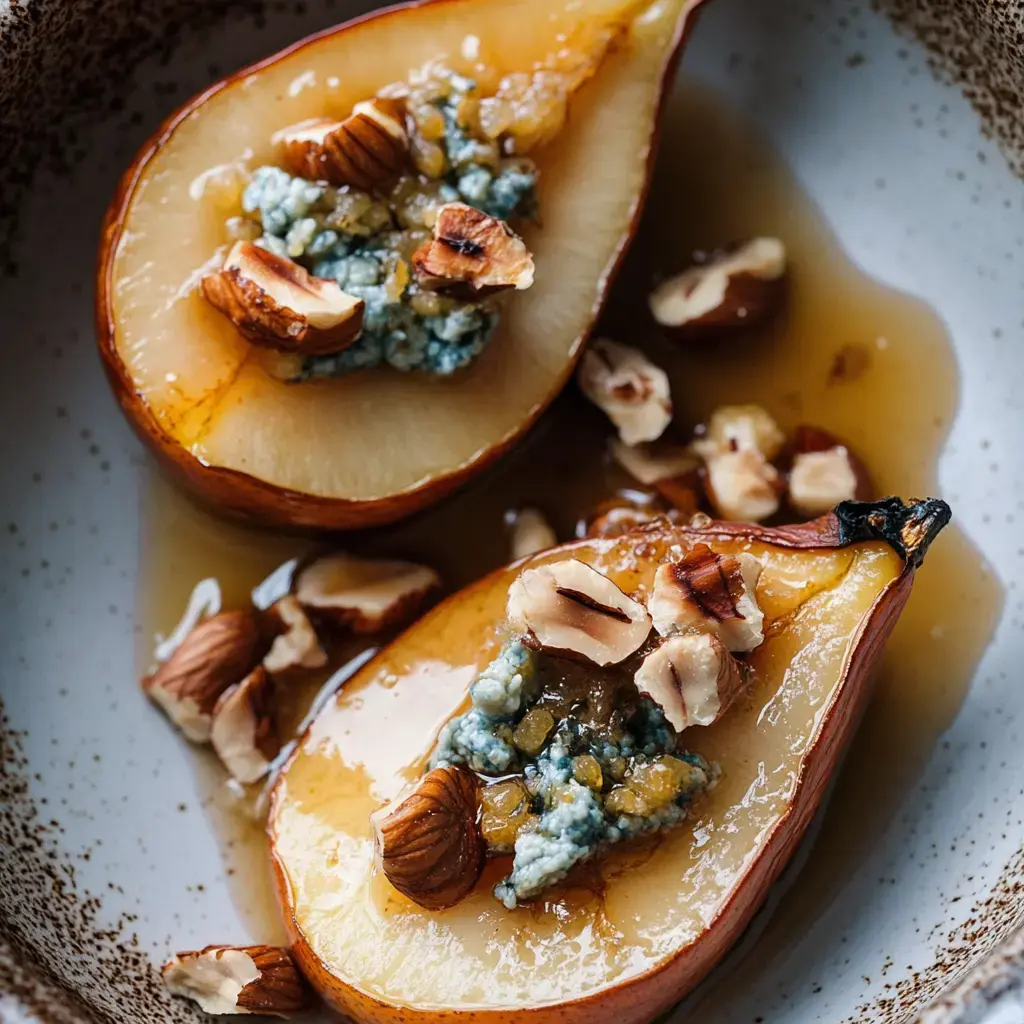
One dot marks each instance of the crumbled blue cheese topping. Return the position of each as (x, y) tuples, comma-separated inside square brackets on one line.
[(482, 737), (364, 242), (571, 821)]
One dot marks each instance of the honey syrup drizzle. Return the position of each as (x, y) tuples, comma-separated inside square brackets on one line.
[(846, 343)]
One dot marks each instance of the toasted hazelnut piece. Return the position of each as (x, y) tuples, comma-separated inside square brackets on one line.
[(215, 655), (742, 486), (531, 533), (672, 470), (692, 678), (244, 729), (628, 388), (238, 979), (736, 287), (472, 252), (818, 481), (428, 844), (296, 645), (569, 608), (362, 594), (275, 303), (710, 593), (365, 150), (822, 471), (740, 428)]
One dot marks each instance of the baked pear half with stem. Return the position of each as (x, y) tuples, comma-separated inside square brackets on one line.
[(627, 932), (345, 429)]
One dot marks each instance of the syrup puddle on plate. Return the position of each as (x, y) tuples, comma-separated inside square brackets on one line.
[(846, 344)]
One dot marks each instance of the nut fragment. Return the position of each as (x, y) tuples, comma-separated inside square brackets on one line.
[(238, 979), (823, 472), (428, 844), (365, 150), (531, 533), (569, 608), (296, 645), (818, 481), (362, 594), (631, 391), (740, 428), (692, 678), (736, 287), (472, 252), (244, 729), (215, 655), (672, 470), (742, 486), (275, 303), (711, 593)]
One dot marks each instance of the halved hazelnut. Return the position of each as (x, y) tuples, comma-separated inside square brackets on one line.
[(215, 655), (693, 678), (428, 844), (672, 470), (711, 593), (238, 979), (628, 388), (363, 594), (569, 608), (823, 472), (244, 728), (736, 287), (296, 645), (472, 252), (531, 533), (275, 303), (366, 150)]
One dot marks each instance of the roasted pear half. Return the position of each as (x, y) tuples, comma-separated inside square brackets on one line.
[(635, 931), (376, 445)]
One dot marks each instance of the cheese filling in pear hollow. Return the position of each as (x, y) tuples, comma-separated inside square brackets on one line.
[(395, 220)]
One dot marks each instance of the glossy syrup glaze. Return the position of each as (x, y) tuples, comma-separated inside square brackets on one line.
[(846, 345)]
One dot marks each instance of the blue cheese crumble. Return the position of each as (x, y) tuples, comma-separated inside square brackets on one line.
[(365, 242), (569, 785)]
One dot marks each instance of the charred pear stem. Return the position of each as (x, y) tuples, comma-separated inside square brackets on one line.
[(908, 528)]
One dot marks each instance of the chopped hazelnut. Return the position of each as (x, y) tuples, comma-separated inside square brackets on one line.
[(740, 427), (737, 287), (742, 486), (218, 653), (693, 678), (428, 844), (275, 303), (238, 979), (364, 595), (366, 150), (295, 645), (472, 252), (737, 446), (531, 533), (244, 729), (822, 472), (631, 391), (818, 481), (710, 593), (569, 608)]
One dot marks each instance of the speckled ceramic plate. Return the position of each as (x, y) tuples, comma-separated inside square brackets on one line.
[(107, 862)]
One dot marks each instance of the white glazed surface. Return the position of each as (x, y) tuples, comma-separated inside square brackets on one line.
[(918, 196)]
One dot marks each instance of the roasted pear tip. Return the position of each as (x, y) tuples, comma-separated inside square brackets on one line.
[(909, 527)]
